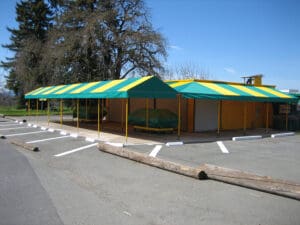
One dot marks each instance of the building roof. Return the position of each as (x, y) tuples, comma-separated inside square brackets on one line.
[(144, 87), (204, 89)]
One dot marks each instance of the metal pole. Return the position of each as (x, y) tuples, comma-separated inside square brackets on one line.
[(37, 110), (287, 118), (77, 115), (219, 117), (48, 112), (98, 117), (267, 117), (126, 125), (147, 112), (245, 116), (179, 117), (61, 112)]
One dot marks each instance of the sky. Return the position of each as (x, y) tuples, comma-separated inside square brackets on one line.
[(227, 39)]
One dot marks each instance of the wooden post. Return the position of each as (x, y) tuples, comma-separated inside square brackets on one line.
[(98, 117), (61, 112), (147, 112), (37, 110), (245, 117), (179, 116), (28, 107), (126, 122), (86, 111), (122, 116), (267, 118)]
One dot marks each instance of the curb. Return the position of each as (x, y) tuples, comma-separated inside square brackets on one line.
[(235, 177), (244, 138), (282, 134), (25, 145)]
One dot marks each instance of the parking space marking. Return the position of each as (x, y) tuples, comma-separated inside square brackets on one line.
[(13, 128), (11, 124), (20, 134), (155, 151), (222, 147), (76, 150), (47, 139)]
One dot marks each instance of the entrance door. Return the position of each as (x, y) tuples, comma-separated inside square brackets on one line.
[(206, 115)]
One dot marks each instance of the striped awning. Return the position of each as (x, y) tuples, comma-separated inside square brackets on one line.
[(144, 87), (229, 91)]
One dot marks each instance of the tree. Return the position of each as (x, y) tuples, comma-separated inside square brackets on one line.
[(34, 18), (102, 39)]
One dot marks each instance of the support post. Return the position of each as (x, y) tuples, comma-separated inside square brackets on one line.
[(147, 112), (28, 107), (126, 122), (245, 117), (77, 108), (219, 117), (61, 112), (86, 111), (37, 110), (122, 117), (98, 117), (287, 117), (179, 116), (267, 118), (48, 112)]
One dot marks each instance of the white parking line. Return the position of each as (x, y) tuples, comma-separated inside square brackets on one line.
[(11, 124), (13, 128), (155, 151), (75, 150), (222, 147), (47, 139), (20, 134)]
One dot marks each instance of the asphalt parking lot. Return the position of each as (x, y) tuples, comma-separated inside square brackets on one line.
[(87, 186)]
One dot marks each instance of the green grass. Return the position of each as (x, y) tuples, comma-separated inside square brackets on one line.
[(13, 111)]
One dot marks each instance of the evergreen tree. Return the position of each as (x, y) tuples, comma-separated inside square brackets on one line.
[(27, 41)]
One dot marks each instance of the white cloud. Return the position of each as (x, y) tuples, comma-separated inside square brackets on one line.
[(175, 47), (230, 70)]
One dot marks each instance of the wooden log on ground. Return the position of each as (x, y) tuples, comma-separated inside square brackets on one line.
[(24, 145), (206, 171)]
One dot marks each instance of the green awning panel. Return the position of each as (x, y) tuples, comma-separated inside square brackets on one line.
[(144, 87), (229, 91)]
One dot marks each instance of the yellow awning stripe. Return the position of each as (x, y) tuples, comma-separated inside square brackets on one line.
[(218, 89), (273, 92), (248, 90), (53, 89), (35, 90), (107, 86), (180, 83), (66, 89), (135, 83), (41, 90), (84, 87)]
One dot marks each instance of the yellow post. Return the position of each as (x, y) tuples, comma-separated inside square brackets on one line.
[(219, 117), (102, 110), (61, 112), (98, 117), (48, 112), (267, 117), (37, 110), (77, 115), (179, 117), (86, 111), (287, 118), (126, 122), (245, 117), (147, 112)]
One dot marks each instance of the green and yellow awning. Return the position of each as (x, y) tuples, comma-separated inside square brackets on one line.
[(144, 87), (228, 91)]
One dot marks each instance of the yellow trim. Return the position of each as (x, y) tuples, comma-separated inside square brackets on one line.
[(179, 83), (135, 83), (219, 89), (34, 91), (53, 90), (248, 90), (274, 92), (107, 86), (41, 90), (66, 89), (84, 87)]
